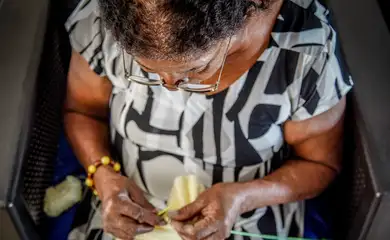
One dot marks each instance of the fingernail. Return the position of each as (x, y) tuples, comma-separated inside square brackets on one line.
[(144, 229), (172, 214)]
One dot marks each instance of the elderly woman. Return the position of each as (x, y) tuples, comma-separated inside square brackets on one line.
[(216, 88)]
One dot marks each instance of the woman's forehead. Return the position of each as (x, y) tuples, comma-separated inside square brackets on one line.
[(181, 65)]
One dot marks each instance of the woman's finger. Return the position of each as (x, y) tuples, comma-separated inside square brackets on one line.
[(143, 202), (214, 236), (178, 226), (126, 228), (201, 229), (115, 228), (137, 195), (187, 212), (206, 227), (136, 212)]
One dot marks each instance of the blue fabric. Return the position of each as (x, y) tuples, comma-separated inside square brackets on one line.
[(317, 221), (66, 164)]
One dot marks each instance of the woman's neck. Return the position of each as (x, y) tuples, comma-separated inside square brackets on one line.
[(248, 46)]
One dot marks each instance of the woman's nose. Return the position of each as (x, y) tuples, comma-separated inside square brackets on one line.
[(171, 79)]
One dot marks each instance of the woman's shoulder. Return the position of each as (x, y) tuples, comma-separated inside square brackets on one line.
[(307, 67), (303, 26), (87, 35), (86, 13)]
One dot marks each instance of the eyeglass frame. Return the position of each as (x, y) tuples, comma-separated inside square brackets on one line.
[(179, 84)]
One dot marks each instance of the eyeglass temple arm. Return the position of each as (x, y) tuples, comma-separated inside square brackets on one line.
[(223, 64), (127, 74)]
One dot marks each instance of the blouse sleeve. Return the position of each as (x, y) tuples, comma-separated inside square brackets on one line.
[(86, 34), (325, 83)]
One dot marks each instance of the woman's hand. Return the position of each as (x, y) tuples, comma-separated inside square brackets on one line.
[(125, 210), (212, 214)]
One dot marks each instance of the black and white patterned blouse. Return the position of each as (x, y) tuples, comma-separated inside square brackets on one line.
[(235, 135)]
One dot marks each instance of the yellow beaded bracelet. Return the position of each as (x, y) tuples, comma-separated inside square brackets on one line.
[(104, 161)]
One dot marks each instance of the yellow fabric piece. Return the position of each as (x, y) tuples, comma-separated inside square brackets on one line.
[(185, 190), (62, 196)]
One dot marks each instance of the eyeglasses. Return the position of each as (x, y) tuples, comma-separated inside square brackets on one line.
[(185, 84)]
